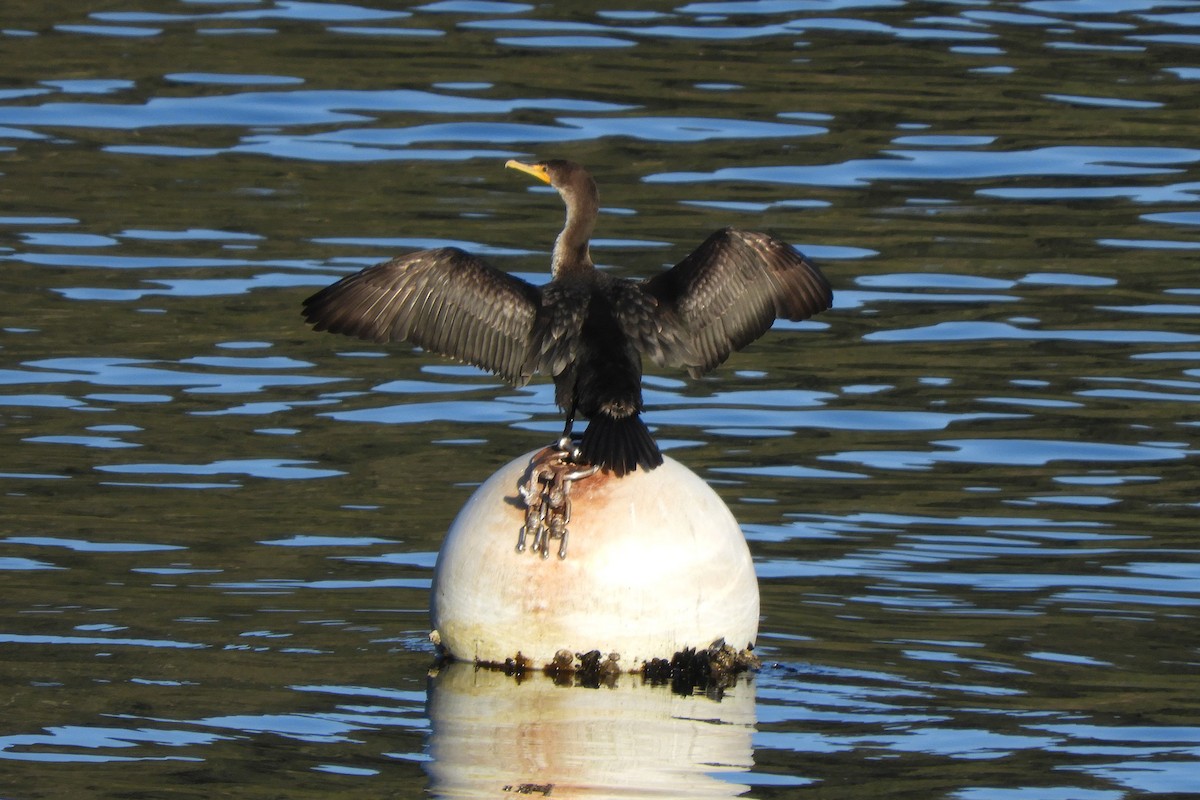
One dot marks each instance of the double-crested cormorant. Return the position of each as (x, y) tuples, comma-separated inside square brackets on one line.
[(586, 328)]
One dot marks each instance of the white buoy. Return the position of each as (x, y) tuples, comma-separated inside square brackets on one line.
[(655, 564)]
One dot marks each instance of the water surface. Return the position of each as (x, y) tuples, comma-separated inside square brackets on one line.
[(970, 489)]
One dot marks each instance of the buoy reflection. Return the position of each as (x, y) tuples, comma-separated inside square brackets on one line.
[(493, 735)]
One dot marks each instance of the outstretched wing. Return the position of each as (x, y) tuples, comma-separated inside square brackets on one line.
[(554, 342), (730, 290), (444, 300), (653, 327)]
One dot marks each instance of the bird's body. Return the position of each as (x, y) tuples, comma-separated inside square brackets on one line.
[(585, 328)]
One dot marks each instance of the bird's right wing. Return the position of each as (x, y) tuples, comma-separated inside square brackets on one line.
[(444, 300), (731, 289)]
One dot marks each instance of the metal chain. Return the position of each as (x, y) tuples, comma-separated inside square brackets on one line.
[(546, 492)]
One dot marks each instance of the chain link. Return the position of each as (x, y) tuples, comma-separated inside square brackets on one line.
[(546, 492)]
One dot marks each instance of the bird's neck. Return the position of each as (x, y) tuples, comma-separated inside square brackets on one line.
[(570, 256), (572, 253)]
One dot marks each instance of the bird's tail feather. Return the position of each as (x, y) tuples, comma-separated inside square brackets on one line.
[(619, 444)]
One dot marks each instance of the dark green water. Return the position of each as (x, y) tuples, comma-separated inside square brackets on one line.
[(971, 488)]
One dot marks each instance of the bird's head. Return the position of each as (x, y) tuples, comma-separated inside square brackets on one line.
[(570, 179)]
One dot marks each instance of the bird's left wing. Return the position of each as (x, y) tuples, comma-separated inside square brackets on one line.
[(730, 290), (444, 300)]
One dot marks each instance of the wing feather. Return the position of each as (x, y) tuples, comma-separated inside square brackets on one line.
[(730, 290), (654, 329), (555, 344), (444, 300)]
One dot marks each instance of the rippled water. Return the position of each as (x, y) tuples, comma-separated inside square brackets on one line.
[(971, 489)]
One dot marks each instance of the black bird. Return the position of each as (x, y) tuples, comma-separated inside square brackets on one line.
[(586, 328)]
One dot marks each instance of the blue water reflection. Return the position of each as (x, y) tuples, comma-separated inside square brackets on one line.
[(950, 164)]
